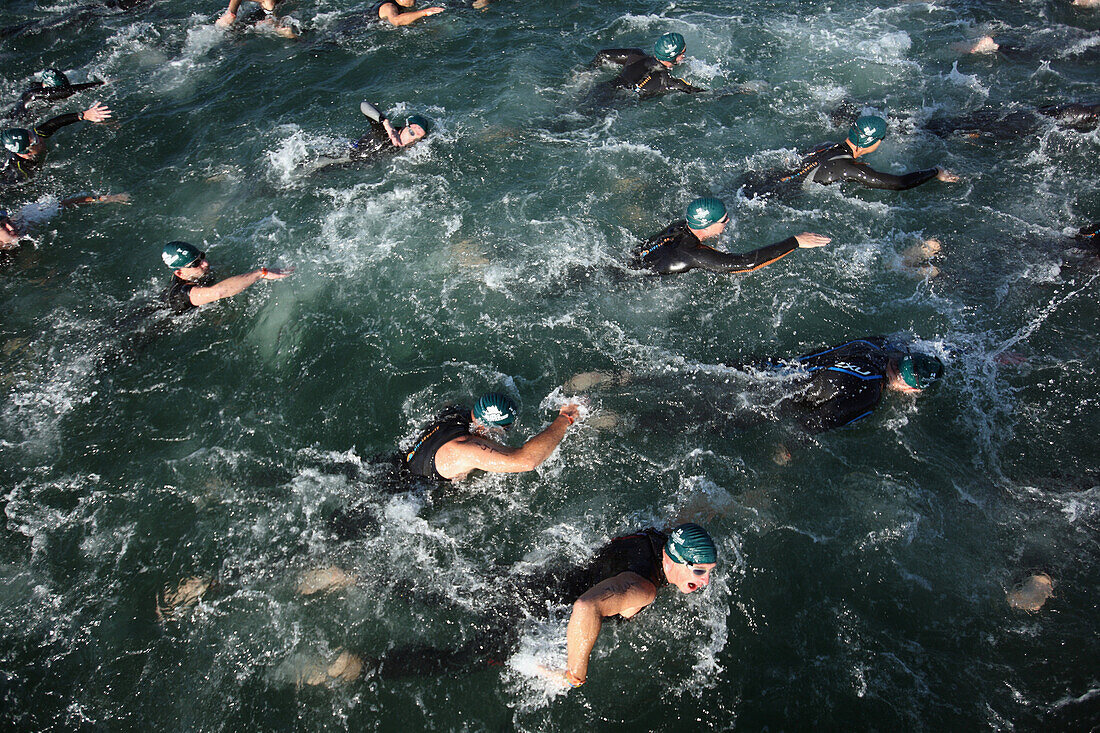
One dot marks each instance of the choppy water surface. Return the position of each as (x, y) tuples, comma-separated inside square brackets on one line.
[(862, 586)]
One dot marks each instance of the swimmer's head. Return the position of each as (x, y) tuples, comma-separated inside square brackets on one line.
[(669, 47), (17, 139), (690, 555), (706, 212), (866, 131), (495, 410), (410, 130), (919, 371), (179, 255), (54, 78), (9, 234)]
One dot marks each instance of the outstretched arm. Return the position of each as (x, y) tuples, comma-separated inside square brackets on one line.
[(111, 198), (617, 56), (871, 178), (393, 16), (731, 263), (468, 453), (625, 595), (232, 285)]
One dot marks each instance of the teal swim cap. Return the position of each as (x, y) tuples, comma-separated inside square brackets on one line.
[(669, 46), (920, 371), (703, 212), (690, 543), (866, 131), (495, 409), (419, 120), (181, 254), (16, 139), (54, 78)]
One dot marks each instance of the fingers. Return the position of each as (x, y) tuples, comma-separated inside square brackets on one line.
[(809, 239)]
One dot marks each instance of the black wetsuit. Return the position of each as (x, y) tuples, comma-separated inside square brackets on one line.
[(454, 422), (832, 163), (1017, 123), (845, 383), (178, 295), (677, 249), (642, 73), (373, 12), (528, 595), (17, 169), (374, 144), (39, 92)]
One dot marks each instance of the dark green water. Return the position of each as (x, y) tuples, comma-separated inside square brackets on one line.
[(862, 586)]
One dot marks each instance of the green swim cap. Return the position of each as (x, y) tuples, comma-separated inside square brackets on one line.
[(669, 46), (16, 139), (690, 543), (419, 120), (496, 409), (866, 131), (54, 78), (181, 254), (703, 212), (920, 371)]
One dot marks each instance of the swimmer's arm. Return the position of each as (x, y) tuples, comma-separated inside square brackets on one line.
[(390, 14), (874, 179), (86, 85), (625, 594), (839, 409), (230, 286), (49, 127), (390, 132), (682, 86), (617, 56), (115, 198), (731, 263), (486, 455)]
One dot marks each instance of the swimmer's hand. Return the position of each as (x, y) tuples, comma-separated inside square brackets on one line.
[(558, 676), (571, 412), (113, 198), (481, 4), (98, 112), (807, 240), (225, 20), (432, 11), (947, 176), (266, 274)]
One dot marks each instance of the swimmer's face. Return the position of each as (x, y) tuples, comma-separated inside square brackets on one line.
[(688, 577), (714, 229), (895, 382), (195, 271), (8, 233), (410, 134)]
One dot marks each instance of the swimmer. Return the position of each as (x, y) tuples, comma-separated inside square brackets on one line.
[(834, 162), (192, 283), (645, 74), (27, 148), (230, 16), (53, 87), (401, 12), (1000, 123), (680, 247), (14, 229), (845, 383), (462, 440), (384, 137), (621, 580)]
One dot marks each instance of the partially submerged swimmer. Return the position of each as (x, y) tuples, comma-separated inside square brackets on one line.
[(230, 16), (680, 247), (462, 440), (54, 86), (384, 137), (193, 285), (645, 74), (400, 12), (1032, 594), (839, 162), (12, 229), (27, 148)]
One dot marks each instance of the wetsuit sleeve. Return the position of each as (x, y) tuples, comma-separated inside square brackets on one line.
[(871, 178), (49, 127), (617, 56), (671, 83), (728, 262), (87, 85)]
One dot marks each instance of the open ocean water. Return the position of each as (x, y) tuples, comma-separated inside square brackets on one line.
[(861, 587)]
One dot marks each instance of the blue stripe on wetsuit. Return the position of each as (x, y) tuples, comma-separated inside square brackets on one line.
[(827, 351)]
